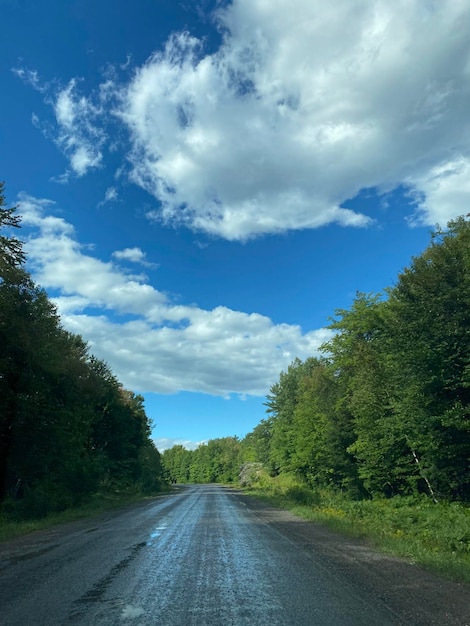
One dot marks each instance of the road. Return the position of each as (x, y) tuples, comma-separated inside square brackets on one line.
[(209, 556)]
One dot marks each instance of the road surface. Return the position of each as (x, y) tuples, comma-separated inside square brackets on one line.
[(209, 556)]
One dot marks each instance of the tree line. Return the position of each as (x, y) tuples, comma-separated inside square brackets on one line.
[(385, 409), (68, 428), (217, 461)]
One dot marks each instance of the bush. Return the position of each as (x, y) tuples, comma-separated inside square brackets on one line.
[(37, 502)]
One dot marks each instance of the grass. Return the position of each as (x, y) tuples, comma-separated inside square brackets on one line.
[(99, 503), (436, 536)]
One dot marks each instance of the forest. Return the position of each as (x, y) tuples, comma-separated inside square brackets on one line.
[(385, 409), (68, 428), (382, 411)]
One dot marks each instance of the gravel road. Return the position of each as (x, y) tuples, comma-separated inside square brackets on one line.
[(209, 556)]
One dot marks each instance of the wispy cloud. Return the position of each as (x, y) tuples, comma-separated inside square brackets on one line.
[(78, 136), (78, 131), (161, 346), (111, 195), (31, 78)]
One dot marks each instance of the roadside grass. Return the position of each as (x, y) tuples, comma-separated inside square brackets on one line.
[(99, 503), (436, 536)]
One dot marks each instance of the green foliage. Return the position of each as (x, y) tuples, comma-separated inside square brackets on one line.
[(11, 248), (323, 431), (430, 325), (67, 427), (217, 461), (256, 445), (151, 478), (281, 402), (360, 355), (176, 464), (386, 411)]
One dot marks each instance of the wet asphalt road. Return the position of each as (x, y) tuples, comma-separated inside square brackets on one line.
[(199, 556)]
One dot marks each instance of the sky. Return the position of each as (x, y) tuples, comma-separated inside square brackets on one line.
[(203, 184)]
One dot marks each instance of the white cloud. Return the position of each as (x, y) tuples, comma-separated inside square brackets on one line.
[(295, 113), (59, 262), (134, 255), (299, 110), (77, 133), (159, 347), (111, 195), (79, 136), (444, 192), (31, 78), (165, 443), (130, 254)]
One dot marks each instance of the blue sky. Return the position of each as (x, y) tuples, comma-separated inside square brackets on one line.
[(203, 184)]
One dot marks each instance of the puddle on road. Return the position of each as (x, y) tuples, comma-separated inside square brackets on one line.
[(130, 612), (95, 595), (158, 531), (115, 609)]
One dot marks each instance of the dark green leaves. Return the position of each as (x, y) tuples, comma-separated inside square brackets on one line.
[(388, 409), (67, 427), (11, 248)]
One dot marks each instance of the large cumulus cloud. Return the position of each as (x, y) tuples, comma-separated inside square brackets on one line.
[(151, 343), (300, 109)]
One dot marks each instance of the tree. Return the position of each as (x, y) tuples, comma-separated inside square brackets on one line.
[(281, 403), (431, 351), (67, 426), (360, 355), (28, 336), (217, 461), (256, 445), (388, 408), (176, 464), (323, 432), (11, 248)]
